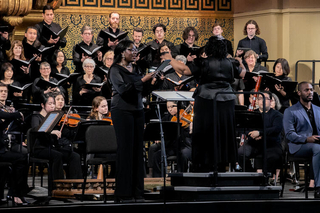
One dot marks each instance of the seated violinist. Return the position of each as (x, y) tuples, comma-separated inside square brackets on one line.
[(182, 151), (254, 146), (60, 151), (99, 109), (19, 170)]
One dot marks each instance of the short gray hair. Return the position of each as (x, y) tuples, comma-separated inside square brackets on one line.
[(89, 61), (181, 58)]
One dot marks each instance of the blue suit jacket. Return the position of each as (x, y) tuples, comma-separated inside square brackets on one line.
[(297, 125)]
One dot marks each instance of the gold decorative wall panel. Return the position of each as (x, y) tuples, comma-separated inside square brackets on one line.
[(176, 15)]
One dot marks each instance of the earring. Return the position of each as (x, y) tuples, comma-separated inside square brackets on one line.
[(123, 56)]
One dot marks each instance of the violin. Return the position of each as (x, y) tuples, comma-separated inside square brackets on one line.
[(185, 116), (108, 118), (70, 120)]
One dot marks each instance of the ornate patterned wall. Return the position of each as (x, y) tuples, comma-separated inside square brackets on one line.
[(175, 14)]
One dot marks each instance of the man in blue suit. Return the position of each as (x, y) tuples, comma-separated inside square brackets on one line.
[(301, 124)]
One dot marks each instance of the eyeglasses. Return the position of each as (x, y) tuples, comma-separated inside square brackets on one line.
[(109, 59), (89, 66), (169, 107)]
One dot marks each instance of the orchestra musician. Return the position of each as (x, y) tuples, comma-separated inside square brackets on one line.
[(114, 20), (100, 111), (84, 96), (210, 83), (38, 92), (18, 187), (87, 43), (254, 145), (60, 150), (251, 65), (182, 150), (48, 17), (129, 86)]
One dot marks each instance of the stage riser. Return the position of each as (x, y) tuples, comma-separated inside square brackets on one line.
[(184, 181), (189, 193), (223, 179), (219, 196)]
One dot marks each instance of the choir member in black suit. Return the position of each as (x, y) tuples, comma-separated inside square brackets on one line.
[(79, 55), (114, 19), (21, 73), (190, 36), (5, 45), (159, 31), (29, 42), (58, 66), (129, 86), (38, 92), (6, 77), (84, 96), (177, 77), (48, 17), (252, 41), (217, 31), (18, 184), (281, 70)]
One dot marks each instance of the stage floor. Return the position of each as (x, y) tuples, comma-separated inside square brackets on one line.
[(291, 201)]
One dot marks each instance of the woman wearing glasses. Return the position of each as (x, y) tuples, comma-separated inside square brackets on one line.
[(83, 95), (129, 86)]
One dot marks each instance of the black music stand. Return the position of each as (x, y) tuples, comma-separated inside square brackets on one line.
[(248, 120), (169, 96), (44, 131)]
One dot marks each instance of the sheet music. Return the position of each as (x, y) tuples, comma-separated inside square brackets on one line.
[(48, 122), (174, 95)]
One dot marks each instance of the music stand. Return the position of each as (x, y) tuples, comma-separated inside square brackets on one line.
[(44, 130), (248, 120), (169, 96)]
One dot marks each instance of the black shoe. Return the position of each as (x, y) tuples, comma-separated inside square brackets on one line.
[(317, 193)]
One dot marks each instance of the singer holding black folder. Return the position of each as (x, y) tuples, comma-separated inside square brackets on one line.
[(79, 54), (107, 42), (215, 74), (37, 91), (83, 95), (129, 86), (281, 70), (47, 40)]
